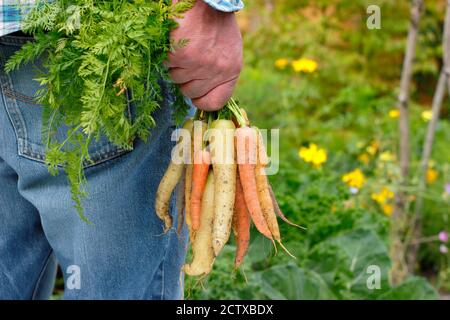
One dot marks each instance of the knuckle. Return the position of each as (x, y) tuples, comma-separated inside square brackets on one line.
[(185, 90), (201, 104), (208, 60), (223, 65), (192, 53), (217, 101), (207, 103), (238, 65), (173, 74)]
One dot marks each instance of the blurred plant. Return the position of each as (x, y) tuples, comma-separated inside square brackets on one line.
[(313, 154), (443, 236), (354, 179), (388, 209), (304, 65), (432, 175), (347, 107), (387, 156), (426, 115), (372, 149), (364, 158), (394, 113), (281, 63), (383, 196)]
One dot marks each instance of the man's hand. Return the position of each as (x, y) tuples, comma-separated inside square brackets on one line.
[(208, 67)]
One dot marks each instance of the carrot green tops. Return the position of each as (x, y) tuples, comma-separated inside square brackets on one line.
[(13, 12)]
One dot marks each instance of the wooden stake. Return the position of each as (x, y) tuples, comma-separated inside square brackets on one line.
[(399, 269)]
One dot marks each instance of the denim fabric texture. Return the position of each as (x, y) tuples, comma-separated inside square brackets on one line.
[(123, 254)]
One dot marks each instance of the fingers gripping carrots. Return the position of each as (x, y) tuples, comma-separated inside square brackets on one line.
[(225, 187)]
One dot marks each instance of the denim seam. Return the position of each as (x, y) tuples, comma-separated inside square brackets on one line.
[(24, 149), (12, 109), (84, 255), (163, 263), (162, 275), (169, 235), (105, 153), (15, 40), (41, 274)]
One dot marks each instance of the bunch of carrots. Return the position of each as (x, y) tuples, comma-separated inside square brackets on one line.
[(222, 169)]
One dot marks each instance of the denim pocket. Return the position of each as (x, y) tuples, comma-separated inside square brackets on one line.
[(18, 91)]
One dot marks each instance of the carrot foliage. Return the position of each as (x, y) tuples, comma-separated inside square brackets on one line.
[(97, 55)]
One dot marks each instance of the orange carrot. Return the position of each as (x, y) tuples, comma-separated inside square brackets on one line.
[(266, 204), (202, 160), (265, 199), (262, 186), (234, 222), (242, 225), (246, 156), (198, 129)]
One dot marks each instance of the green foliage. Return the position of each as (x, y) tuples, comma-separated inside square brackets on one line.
[(343, 107), (288, 282), (97, 55), (415, 288)]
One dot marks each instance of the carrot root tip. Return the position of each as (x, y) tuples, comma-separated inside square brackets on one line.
[(287, 251)]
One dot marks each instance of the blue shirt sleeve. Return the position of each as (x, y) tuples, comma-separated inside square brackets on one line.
[(226, 5)]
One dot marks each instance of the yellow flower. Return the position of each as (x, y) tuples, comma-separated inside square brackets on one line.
[(304, 65), (432, 175), (388, 209), (373, 147), (354, 178), (313, 154), (281, 63), (427, 115), (394, 113), (364, 158), (383, 196), (387, 156)]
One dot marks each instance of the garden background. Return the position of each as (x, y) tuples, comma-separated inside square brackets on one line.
[(315, 71)]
